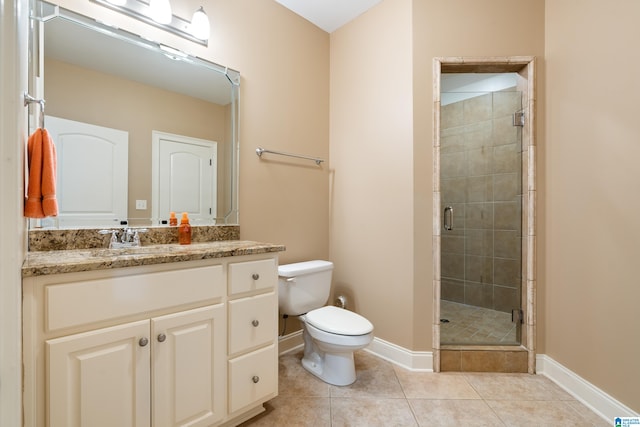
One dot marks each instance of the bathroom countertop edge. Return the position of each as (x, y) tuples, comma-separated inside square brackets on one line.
[(78, 260)]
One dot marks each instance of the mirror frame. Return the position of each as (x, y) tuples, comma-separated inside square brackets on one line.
[(42, 11)]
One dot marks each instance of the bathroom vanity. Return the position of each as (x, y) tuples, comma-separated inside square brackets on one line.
[(162, 335)]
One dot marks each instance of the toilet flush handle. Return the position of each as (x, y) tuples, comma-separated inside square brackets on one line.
[(289, 279)]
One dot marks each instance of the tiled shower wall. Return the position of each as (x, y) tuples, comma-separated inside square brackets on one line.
[(481, 178)]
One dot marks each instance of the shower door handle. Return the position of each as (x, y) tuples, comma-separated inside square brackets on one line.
[(448, 218)]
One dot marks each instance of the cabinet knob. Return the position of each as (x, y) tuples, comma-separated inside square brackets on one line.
[(162, 337), (255, 322), (143, 341), (255, 379), (255, 276)]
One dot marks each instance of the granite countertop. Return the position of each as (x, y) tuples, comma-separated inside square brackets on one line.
[(75, 260)]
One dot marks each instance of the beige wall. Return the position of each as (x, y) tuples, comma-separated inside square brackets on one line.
[(284, 106), (371, 159), (462, 28), (589, 249), (381, 90)]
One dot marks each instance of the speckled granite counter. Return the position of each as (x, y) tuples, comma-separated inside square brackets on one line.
[(70, 261), (90, 238)]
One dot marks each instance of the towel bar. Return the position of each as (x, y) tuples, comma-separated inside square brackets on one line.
[(260, 151)]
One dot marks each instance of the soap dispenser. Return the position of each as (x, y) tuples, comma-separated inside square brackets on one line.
[(173, 221), (184, 231)]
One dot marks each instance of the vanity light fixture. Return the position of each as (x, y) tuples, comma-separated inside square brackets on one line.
[(200, 24), (158, 13)]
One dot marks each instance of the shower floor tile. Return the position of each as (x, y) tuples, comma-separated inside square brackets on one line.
[(475, 325)]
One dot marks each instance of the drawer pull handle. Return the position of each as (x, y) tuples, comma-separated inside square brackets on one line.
[(255, 379), (255, 322), (255, 276), (162, 337), (143, 342)]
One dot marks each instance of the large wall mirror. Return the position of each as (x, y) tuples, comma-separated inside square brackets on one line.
[(141, 129)]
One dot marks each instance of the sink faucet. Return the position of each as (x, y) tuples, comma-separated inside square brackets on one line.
[(126, 235), (130, 237)]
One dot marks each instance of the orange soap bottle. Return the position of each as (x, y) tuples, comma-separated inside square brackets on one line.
[(172, 219), (184, 231)]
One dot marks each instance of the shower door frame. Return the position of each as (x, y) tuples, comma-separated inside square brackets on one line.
[(524, 66)]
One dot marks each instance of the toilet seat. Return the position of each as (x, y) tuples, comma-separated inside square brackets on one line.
[(338, 321)]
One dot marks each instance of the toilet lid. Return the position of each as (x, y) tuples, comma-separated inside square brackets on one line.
[(338, 321)]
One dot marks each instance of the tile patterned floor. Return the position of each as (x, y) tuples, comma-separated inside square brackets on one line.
[(387, 395), (475, 325)]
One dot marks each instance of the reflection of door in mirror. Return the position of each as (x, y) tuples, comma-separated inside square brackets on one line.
[(184, 177), (91, 173)]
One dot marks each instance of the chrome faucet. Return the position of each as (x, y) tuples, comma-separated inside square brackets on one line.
[(127, 233), (130, 237)]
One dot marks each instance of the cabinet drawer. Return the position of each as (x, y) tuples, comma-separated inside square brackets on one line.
[(252, 378), (252, 275), (252, 322), (89, 301)]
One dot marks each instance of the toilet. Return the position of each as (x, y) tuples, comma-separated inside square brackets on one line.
[(330, 334)]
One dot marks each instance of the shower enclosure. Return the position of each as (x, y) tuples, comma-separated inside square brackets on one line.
[(481, 206), (484, 198)]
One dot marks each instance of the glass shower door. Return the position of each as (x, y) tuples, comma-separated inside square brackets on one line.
[(481, 197)]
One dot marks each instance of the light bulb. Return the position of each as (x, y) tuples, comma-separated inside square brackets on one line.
[(200, 27), (160, 11)]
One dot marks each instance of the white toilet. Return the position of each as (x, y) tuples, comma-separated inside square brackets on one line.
[(330, 334)]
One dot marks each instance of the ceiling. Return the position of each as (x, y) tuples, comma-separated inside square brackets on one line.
[(329, 14)]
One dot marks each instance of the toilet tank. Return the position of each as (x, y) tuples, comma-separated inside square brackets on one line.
[(303, 286)]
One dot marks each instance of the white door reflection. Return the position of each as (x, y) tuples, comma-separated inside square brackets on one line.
[(92, 164), (184, 177)]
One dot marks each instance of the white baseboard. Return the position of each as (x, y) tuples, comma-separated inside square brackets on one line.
[(588, 394), (421, 361), (290, 342)]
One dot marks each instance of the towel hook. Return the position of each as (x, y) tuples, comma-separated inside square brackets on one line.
[(28, 99)]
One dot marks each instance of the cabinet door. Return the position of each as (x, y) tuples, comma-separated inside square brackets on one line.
[(100, 378), (189, 372)]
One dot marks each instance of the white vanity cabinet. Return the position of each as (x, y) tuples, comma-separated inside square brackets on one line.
[(114, 376), (253, 356), (185, 343)]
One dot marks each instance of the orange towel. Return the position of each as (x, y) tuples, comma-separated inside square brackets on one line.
[(41, 194)]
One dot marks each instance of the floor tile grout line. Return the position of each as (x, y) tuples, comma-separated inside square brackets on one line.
[(413, 412), (406, 399), (504, 423)]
